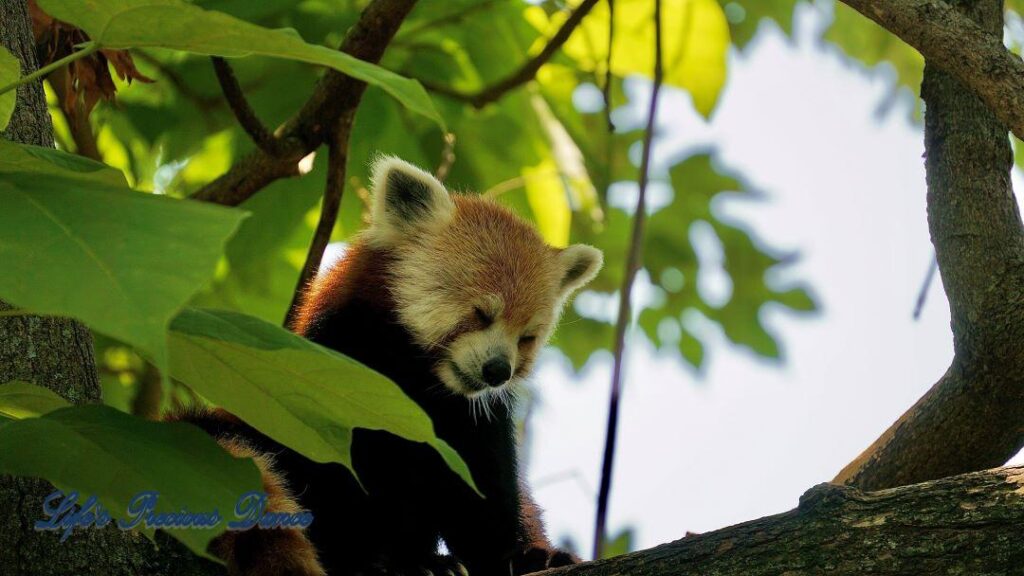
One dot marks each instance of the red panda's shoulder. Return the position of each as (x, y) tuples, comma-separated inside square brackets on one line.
[(360, 274)]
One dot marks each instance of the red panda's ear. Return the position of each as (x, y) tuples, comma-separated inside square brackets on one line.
[(579, 263), (405, 200)]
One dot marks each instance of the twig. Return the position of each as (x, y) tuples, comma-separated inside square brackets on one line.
[(246, 116), (606, 89), (87, 49), (526, 72), (447, 157), (923, 295), (633, 260), (334, 95), (337, 157)]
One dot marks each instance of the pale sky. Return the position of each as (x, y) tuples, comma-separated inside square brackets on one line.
[(845, 188)]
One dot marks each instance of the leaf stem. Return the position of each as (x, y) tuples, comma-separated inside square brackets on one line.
[(87, 49), (633, 262)]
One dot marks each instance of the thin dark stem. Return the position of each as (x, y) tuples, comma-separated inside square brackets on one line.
[(337, 157), (923, 295), (246, 116), (606, 89), (526, 72), (633, 260)]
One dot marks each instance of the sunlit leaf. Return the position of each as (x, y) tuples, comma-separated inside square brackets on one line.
[(695, 44), (546, 195), (121, 261), (306, 397), (182, 26), (38, 159), (10, 71), (22, 400)]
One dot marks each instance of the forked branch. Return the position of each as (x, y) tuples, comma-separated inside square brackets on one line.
[(950, 40), (526, 72), (244, 113), (335, 94)]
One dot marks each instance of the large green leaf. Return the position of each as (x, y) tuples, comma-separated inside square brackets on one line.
[(10, 71), (305, 396), (121, 261), (27, 158), (182, 26), (22, 400), (97, 450)]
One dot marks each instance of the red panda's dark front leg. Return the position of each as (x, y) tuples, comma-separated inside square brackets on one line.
[(270, 552), (536, 552), (501, 534)]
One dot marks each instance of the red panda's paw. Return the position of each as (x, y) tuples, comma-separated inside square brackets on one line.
[(541, 557), (436, 565)]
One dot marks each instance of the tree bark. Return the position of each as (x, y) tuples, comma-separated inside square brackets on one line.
[(946, 38), (58, 353), (969, 524), (973, 418)]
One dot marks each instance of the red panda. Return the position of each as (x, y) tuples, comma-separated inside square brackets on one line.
[(452, 297)]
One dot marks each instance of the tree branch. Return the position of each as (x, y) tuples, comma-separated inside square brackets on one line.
[(949, 40), (625, 318), (970, 524), (244, 113), (336, 160), (334, 95), (526, 72), (973, 418)]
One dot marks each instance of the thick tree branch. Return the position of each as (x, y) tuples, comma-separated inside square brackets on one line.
[(336, 162), (625, 316), (973, 418), (334, 95), (526, 72), (970, 524), (949, 40), (244, 113)]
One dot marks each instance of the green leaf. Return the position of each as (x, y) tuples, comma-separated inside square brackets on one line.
[(10, 71), (619, 544), (305, 396), (745, 17), (20, 400), (38, 159), (121, 261), (100, 451), (695, 45), (182, 26)]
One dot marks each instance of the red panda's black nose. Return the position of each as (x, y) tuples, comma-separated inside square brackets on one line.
[(496, 371)]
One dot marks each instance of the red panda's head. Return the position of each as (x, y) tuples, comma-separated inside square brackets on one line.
[(473, 283)]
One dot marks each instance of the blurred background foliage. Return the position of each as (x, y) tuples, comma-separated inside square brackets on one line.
[(547, 149)]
